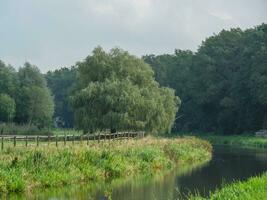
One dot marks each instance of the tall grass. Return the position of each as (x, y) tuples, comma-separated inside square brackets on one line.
[(245, 141), (253, 189), (24, 169)]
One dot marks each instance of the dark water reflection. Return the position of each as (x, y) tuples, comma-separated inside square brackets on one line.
[(228, 164)]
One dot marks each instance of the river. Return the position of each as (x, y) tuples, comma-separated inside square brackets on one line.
[(227, 165)]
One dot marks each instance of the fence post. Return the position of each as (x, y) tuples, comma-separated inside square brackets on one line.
[(37, 140), (56, 140), (2, 143), (14, 141), (26, 140), (48, 140), (99, 137), (87, 139), (73, 139), (65, 139)]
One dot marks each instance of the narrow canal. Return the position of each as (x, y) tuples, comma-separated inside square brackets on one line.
[(227, 165)]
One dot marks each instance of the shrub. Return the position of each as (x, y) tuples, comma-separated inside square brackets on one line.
[(26, 129)]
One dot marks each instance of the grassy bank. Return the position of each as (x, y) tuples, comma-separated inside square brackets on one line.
[(253, 189), (245, 141), (24, 169)]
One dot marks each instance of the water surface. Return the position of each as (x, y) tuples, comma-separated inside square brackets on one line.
[(227, 165)]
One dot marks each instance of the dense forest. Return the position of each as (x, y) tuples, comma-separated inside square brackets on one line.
[(222, 87)]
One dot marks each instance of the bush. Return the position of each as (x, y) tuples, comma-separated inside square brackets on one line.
[(26, 129)]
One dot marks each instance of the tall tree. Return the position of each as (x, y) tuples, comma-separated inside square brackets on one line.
[(117, 91), (34, 101)]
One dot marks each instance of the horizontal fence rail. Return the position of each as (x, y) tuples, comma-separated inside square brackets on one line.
[(36, 139)]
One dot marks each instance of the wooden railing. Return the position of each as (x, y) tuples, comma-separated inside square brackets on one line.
[(27, 140)]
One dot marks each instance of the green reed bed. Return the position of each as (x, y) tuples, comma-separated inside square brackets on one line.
[(23, 169), (246, 140), (253, 189)]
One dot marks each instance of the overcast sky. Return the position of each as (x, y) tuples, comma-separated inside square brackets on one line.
[(58, 33)]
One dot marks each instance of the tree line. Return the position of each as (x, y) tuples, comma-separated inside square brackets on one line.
[(112, 91), (222, 88)]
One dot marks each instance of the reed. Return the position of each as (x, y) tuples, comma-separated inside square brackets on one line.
[(23, 169)]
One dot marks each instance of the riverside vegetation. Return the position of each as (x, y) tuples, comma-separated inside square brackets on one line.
[(22, 170), (244, 140), (253, 189)]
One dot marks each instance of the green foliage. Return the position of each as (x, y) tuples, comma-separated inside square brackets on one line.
[(22, 169), (7, 108), (223, 86), (61, 82), (117, 91), (24, 96), (253, 189), (8, 79), (34, 102), (245, 141)]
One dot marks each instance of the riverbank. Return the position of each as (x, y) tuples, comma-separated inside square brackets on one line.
[(253, 189), (236, 140), (24, 169)]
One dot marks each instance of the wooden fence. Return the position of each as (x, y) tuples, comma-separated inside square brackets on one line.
[(37, 139)]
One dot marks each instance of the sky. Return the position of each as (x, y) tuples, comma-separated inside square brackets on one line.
[(57, 33)]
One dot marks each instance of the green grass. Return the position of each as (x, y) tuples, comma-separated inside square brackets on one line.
[(25, 169), (253, 189), (237, 140), (66, 132)]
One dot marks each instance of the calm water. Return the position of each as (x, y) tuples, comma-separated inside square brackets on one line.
[(228, 164)]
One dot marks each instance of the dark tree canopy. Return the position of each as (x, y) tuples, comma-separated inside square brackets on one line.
[(7, 108), (117, 91), (61, 83), (223, 86)]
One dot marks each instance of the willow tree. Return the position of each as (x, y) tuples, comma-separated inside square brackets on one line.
[(117, 91)]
